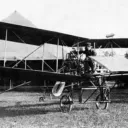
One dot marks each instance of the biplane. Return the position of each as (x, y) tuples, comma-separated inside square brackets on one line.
[(70, 74)]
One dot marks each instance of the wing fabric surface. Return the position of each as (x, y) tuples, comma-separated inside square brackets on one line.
[(117, 65), (113, 64)]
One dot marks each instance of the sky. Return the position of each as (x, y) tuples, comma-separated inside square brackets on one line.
[(85, 18)]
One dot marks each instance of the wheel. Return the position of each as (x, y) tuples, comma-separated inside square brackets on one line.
[(102, 102), (41, 99), (66, 103)]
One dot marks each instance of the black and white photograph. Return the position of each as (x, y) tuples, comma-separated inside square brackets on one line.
[(63, 64)]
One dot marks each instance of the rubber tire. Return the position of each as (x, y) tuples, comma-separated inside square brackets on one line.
[(66, 103), (106, 99)]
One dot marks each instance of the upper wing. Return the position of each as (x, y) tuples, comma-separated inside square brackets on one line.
[(35, 36)]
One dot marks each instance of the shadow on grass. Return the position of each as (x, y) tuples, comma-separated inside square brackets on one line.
[(119, 101), (33, 109)]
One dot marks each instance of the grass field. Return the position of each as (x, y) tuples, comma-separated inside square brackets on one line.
[(23, 110)]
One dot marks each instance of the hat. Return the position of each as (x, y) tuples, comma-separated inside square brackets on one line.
[(88, 44)]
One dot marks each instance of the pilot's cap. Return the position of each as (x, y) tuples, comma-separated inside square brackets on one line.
[(88, 44)]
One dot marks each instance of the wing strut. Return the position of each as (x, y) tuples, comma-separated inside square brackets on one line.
[(31, 54), (16, 87), (6, 37)]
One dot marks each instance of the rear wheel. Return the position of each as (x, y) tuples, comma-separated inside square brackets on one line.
[(66, 103)]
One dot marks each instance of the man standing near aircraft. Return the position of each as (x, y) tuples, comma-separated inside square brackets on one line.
[(88, 52)]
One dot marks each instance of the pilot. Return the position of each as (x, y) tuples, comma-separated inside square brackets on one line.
[(72, 55), (89, 52)]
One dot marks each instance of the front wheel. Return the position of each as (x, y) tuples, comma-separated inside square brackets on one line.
[(66, 103), (102, 101)]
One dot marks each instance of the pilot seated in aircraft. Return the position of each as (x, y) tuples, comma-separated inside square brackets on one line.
[(88, 62)]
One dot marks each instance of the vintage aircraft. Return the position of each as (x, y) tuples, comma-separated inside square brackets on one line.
[(117, 72), (67, 76)]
